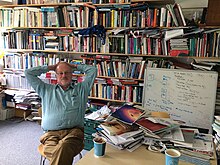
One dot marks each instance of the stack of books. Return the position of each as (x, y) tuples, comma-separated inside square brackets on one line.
[(121, 135), (130, 125), (121, 130)]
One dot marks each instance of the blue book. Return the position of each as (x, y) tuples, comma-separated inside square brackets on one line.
[(133, 70), (48, 9)]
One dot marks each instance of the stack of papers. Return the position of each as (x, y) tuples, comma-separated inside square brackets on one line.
[(129, 140)]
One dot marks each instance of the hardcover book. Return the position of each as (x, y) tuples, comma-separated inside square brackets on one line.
[(151, 126)]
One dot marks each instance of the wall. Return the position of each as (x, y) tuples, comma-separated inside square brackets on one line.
[(192, 9), (5, 2), (193, 3)]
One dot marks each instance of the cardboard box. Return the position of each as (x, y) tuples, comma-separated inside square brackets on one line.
[(6, 114)]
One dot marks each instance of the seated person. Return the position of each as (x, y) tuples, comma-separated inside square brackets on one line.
[(63, 109)]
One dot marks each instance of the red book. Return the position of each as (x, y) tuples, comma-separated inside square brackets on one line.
[(149, 125), (177, 52)]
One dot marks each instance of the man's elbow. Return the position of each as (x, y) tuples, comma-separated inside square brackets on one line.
[(26, 72)]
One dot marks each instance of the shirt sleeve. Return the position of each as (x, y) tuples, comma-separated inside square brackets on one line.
[(90, 74), (32, 76)]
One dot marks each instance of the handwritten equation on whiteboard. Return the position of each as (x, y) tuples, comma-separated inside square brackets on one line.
[(187, 95)]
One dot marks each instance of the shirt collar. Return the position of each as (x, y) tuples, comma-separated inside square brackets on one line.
[(72, 85)]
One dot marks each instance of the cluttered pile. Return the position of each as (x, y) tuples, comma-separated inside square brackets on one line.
[(130, 126)]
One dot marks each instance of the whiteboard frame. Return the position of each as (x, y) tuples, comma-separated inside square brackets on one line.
[(214, 73)]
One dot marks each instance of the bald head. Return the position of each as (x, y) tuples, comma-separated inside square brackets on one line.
[(64, 74), (63, 64)]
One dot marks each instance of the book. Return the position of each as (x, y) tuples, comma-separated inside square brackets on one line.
[(128, 114), (149, 125), (118, 140), (179, 15), (117, 127), (157, 125)]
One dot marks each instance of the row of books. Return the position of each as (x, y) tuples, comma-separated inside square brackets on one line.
[(125, 93), (53, 1), (126, 69), (68, 1), (110, 1), (83, 16), (16, 81), (66, 16), (142, 16), (28, 60), (192, 42)]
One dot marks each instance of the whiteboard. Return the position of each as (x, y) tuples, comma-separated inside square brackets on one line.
[(187, 95)]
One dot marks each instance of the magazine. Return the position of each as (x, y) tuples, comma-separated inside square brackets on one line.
[(128, 114), (117, 127)]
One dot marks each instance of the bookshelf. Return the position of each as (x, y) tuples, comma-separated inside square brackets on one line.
[(131, 36)]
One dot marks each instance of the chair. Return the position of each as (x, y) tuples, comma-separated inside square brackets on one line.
[(43, 157), (160, 114)]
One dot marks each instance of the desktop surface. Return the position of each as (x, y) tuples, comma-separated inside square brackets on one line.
[(122, 157)]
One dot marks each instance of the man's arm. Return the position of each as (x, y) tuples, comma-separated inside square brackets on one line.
[(32, 76), (90, 74)]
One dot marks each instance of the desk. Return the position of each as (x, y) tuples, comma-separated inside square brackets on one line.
[(124, 157)]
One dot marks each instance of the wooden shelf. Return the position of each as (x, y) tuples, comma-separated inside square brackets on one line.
[(121, 78), (156, 2), (107, 54), (43, 5), (213, 14), (110, 100)]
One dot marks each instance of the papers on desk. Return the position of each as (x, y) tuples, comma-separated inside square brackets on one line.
[(198, 143), (129, 140), (100, 114), (152, 130)]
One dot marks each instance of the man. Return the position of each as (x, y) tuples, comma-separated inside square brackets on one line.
[(63, 109)]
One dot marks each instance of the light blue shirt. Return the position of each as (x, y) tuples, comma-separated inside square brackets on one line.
[(62, 109)]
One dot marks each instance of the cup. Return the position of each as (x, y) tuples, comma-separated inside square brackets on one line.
[(99, 146), (172, 156)]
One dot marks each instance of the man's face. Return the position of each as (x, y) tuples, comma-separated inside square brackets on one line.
[(64, 75)]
